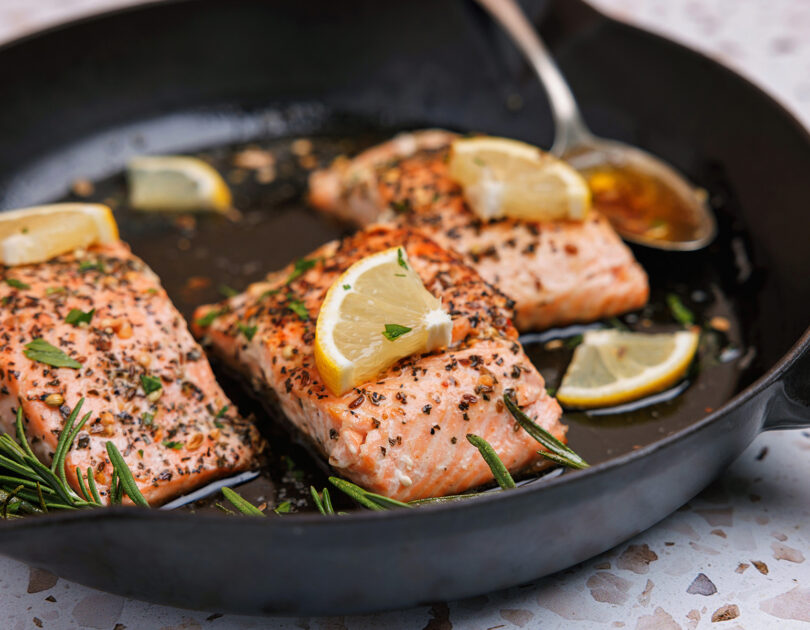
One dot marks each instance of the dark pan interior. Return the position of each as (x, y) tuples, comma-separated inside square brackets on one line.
[(204, 76)]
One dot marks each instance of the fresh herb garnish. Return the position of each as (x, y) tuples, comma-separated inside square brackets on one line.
[(346, 287), (147, 418), (222, 411), (52, 290), (27, 486), (43, 352), (283, 508), (247, 331), (227, 291), (77, 316), (556, 450), (89, 265), (401, 207), (244, 506), (499, 471), (301, 266), (17, 284), (322, 501), (150, 383), (365, 498), (573, 341), (393, 331), (401, 275), (401, 259), (681, 314), (297, 307), (210, 316), (176, 446)]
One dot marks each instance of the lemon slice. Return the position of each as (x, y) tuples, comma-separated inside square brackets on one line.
[(376, 313), (176, 183), (507, 178), (612, 367), (34, 235)]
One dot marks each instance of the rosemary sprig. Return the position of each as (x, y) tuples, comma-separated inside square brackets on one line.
[(243, 505), (367, 499), (494, 462), (556, 450), (28, 486)]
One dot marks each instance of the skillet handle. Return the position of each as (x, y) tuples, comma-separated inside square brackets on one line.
[(791, 404)]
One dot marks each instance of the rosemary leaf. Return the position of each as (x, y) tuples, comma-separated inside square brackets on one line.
[(125, 475), (317, 500), (115, 499), (91, 481), (556, 451), (327, 502), (283, 508), (62, 443), (21, 438), (447, 499), (82, 485), (244, 506), (365, 498), (681, 314), (494, 462)]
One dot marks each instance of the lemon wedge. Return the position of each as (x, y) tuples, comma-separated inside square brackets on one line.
[(36, 234), (507, 178), (376, 313), (612, 367), (176, 183)]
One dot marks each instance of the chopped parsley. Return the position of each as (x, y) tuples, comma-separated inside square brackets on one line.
[(222, 412), (150, 384), (401, 259), (43, 352), (78, 316), (681, 314), (301, 266), (89, 265), (401, 275), (247, 331), (209, 317), (52, 290), (393, 331), (173, 445), (227, 291), (17, 284), (297, 307), (346, 287), (147, 418)]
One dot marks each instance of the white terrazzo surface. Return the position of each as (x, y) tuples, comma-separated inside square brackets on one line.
[(733, 558)]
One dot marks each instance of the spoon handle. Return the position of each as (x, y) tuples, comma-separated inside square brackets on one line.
[(569, 128)]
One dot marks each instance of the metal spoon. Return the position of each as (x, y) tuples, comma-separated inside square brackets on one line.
[(675, 203)]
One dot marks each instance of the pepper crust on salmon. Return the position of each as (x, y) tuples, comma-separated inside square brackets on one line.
[(403, 434)]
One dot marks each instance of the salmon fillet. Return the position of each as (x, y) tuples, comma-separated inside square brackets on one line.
[(403, 435), (558, 272), (182, 435)]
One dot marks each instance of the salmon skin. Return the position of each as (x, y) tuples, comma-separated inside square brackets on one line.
[(558, 272), (146, 381), (404, 434)]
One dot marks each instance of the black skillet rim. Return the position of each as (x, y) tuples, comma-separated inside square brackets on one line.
[(767, 379)]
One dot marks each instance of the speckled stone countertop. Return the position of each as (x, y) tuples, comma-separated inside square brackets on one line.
[(733, 558)]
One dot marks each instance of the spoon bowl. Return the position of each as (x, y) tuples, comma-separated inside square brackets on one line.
[(646, 200)]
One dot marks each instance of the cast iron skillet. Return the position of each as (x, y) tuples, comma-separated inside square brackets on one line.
[(179, 76)]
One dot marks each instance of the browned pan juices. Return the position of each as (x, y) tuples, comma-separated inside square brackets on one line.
[(198, 257)]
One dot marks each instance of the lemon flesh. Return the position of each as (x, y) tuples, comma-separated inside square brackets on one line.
[(507, 178), (377, 295), (611, 367), (36, 234), (176, 184)]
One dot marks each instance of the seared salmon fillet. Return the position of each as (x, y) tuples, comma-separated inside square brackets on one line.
[(404, 434), (145, 380), (558, 272)]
